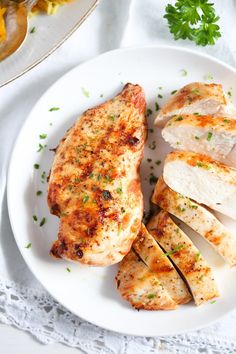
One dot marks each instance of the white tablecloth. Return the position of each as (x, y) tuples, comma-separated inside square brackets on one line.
[(23, 302)]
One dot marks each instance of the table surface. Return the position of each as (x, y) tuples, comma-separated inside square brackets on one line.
[(15, 341)]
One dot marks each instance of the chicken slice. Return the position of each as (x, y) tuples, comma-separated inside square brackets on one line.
[(141, 287), (202, 179), (185, 256), (198, 218), (94, 186), (152, 255), (197, 97), (213, 136)]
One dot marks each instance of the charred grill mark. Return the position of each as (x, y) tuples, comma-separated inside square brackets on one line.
[(55, 209)]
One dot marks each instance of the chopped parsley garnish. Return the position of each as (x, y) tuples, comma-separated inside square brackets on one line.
[(158, 162), (226, 121), (112, 117), (151, 296), (149, 112), (119, 229), (54, 109), (42, 136), (99, 177), (149, 160), (41, 147), (213, 302), (209, 136), (179, 118), (90, 176), (152, 179), (208, 77), (160, 87), (184, 72), (194, 206), (101, 95), (29, 245), (229, 93), (42, 222), (119, 190), (35, 218), (85, 92), (173, 92), (197, 137), (181, 209), (33, 29), (108, 178), (106, 195), (152, 145), (197, 256), (199, 164), (36, 166), (85, 198), (160, 96), (68, 269), (196, 113), (151, 130), (123, 210), (38, 193), (176, 249), (157, 107), (195, 92), (43, 175)]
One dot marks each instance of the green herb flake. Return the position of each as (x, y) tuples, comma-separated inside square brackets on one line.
[(149, 112), (99, 177), (41, 147), (91, 175), (35, 218), (149, 160), (158, 162), (208, 77), (157, 107), (184, 72), (173, 92), (209, 136), (33, 30), (54, 109), (152, 179), (152, 145), (176, 249), (195, 92), (42, 136), (123, 210), (106, 195), (213, 302), (197, 256), (226, 121), (151, 296), (160, 88), (160, 96), (85, 92), (68, 269), (101, 95), (151, 130), (197, 137), (42, 222), (36, 166), (29, 245), (38, 193), (85, 198), (119, 229), (119, 190), (229, 93), (196, 113), (181, 209), (112, 117), (199, 164), (179, 118), (194, 206), (43, 175)]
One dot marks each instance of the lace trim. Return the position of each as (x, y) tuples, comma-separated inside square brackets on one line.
[(38, 313)]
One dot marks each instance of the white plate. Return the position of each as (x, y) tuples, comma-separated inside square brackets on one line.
[(90, 292), (49, 35)]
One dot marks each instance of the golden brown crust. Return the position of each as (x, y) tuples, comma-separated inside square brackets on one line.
[(94, 186), (153, 256), (185, 256), (138, 285)]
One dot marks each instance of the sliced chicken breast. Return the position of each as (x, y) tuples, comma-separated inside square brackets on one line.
[(196, 97), (202, 179), (152, 255), (198, 218), (213, 136), (185, 256), (142, 288)]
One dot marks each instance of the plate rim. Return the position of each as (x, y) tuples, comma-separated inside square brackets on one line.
[(11, 163), (55, 47)]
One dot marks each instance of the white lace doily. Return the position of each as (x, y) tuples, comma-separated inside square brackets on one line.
[(37, 312)]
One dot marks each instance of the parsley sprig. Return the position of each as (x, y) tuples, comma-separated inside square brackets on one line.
[(195, 20)]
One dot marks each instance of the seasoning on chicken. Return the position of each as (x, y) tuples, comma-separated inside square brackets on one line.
[(94, 185), (141, 287), (153, 256), (197, 97), (202, 179), (185, 256), (213, 136), (198, 218)]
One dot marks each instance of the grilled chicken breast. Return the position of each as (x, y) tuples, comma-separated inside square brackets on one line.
[(185, 256), (197, 97), (94, 185), (213, 136), (198, 218), (141, 287), (152, 255), (202, 179)]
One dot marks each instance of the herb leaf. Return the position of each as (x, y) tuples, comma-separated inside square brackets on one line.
[(193, 20), (176, 249), (29, 245), (42, 222), (54, 109)]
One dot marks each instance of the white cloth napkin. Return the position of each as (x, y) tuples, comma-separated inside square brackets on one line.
[(23, 301)]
